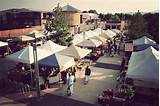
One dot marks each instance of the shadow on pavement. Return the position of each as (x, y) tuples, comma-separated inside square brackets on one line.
[(46, 100), (107, 66)]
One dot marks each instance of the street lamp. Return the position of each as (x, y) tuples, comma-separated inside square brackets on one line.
[(36, 67)]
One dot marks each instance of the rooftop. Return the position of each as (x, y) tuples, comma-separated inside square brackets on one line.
[(69, 8)]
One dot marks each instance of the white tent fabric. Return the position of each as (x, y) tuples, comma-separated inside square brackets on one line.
[(98, 31), (51, 46), (77, 38), (88, 34), (94, 33), (144, 65), (35, 34), (25, 38), (143, 40), (110, 33), (3, 44), (59, 61), (26, 55), (89, 43), (99, 38), (75, 52), (116, 31)]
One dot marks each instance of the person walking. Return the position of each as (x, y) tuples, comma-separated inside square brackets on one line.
[(87, 74), (70, 84)]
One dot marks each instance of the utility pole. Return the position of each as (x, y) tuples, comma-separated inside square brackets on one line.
[(36, 67)]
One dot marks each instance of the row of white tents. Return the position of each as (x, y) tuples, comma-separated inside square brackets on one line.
[(144, 65), (54, 55)]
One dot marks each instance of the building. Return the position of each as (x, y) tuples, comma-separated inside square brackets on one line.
[(15, 22), (72, 16), (88, 17)]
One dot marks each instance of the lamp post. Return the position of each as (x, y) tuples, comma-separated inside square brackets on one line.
[(36, 67)]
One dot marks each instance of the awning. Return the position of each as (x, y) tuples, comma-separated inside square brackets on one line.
[(58, 61), (99, 38)]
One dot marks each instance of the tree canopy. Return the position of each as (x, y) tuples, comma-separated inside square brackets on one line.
[(137, 26), (152, 20), (58, 24)]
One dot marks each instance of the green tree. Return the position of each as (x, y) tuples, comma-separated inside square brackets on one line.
[(93, 11), (152, 20), (137, 27), (58, 24)]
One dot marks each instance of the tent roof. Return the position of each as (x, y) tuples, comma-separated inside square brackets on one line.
[(51, 46), (110, 33), (77, 38), (3, 43), (116, 31), (90, 43), (26, 55), (99, 38), (58, 61), (25, 38), (144, 65), (75, 52), (143, 40), (35, 34), (69, 8)]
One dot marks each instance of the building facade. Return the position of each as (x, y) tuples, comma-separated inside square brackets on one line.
[(15, 22)]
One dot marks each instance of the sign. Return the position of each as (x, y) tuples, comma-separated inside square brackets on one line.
[(128, 46)]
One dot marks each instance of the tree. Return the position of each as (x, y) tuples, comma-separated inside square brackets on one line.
[(93, 11), (58, 23), (85, 11), (152, 21), (137, 27)]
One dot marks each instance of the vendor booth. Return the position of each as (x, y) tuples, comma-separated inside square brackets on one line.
[(51, 46), (75, 52), (144, 68), (143, 43), (90, 43)]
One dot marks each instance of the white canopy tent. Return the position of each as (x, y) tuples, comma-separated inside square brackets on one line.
[(143, 40), (51, 46), (144, 66), (110, 33), (99, 38), (58, 61), (3, 44), (116, 31), (25, 38), (77, 38), (75, 52), (35, 34), (89, 43), (98, 31), (26, 55)]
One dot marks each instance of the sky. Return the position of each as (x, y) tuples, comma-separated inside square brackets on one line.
[(102, 6)]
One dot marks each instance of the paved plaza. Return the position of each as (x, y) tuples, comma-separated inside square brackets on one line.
[(103, 76)]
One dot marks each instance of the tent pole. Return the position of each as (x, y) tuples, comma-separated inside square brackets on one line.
[(36, 69)]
